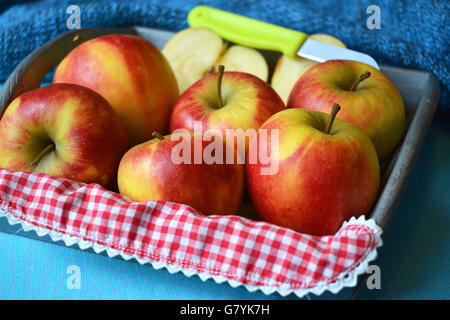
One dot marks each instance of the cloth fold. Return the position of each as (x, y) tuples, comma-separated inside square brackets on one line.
[(412, 34), (255, 254)]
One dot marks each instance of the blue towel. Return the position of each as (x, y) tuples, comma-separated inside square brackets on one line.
[(412, 34)]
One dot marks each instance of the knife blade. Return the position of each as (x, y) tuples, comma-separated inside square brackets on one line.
[(262, 35)]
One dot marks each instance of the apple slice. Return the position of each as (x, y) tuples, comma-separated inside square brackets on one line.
[(288, 70), (192, 53), (244, 59)]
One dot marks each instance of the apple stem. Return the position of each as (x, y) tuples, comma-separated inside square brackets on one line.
[(38, 159), (157, 135), (219, 85), (334, 111), (76, 38), (362, 77)]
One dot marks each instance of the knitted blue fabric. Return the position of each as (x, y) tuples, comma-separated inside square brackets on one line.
[(413, 34)]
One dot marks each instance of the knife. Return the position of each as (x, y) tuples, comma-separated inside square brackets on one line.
[(262, 35)]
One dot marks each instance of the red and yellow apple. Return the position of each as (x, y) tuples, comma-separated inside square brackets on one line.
[(131, 74), (326, 173), (372, 101), (170, 168), (63, 130), (288, 70), (226, 100)]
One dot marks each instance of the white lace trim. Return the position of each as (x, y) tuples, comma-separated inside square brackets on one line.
[(349, 279)]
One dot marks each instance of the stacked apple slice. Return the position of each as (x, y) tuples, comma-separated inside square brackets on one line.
[(195, 52)]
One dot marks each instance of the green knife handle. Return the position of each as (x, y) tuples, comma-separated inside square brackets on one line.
[(246, 31)]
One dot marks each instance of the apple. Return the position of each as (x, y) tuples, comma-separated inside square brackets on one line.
[(288, 70), (195, 52), (328, 171), (152, 171), (226, 101), (131, 74), (63, 130), (372, 101)]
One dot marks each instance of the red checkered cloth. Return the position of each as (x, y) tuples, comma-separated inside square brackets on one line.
[(241, 251)]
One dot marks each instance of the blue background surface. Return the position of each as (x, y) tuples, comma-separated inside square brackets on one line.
[(416, 257)]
